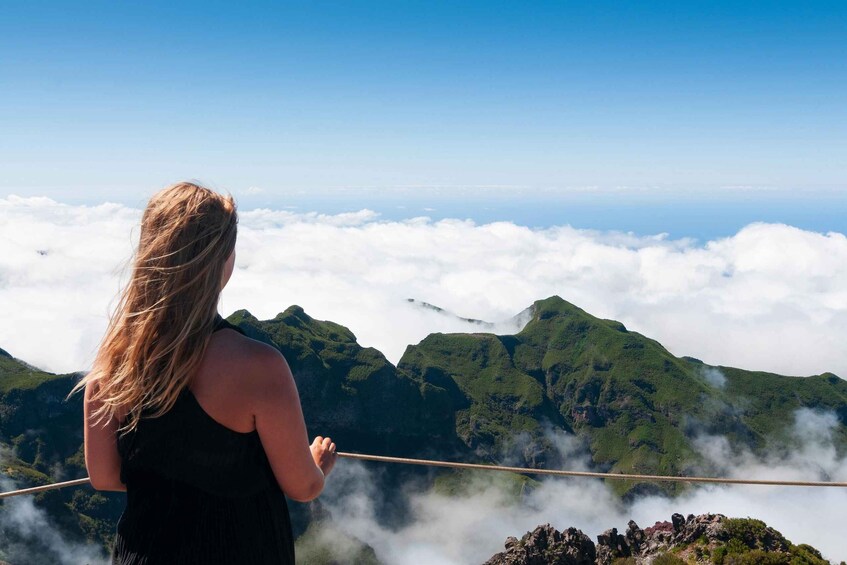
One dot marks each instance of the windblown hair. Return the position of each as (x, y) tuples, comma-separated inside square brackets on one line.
[(166, 314)]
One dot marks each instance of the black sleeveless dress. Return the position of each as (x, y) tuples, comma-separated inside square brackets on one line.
[(199, 492)]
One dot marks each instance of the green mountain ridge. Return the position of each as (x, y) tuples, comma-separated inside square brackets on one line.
[(470, 397), (636, 405)]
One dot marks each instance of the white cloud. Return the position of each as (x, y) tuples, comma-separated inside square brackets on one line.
[(772, 297), (59, 271)]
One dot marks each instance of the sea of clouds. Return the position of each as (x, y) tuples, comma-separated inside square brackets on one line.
[(771, 297)]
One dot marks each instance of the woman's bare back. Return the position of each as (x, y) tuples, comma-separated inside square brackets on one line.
[(246, 385), (225, 382)]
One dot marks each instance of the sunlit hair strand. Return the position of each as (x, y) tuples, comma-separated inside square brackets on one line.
[(165, 316)]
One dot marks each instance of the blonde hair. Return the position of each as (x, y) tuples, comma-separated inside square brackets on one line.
[(166, 314)]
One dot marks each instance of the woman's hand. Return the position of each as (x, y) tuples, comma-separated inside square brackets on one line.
[(323, 452)]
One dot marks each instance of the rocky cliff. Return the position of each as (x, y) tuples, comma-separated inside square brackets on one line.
[(706, 539)]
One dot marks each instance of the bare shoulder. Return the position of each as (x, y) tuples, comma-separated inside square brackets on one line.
[(257, 365), (242, 348), (237, 377)]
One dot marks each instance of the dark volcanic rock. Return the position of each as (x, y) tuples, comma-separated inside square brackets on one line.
[(678, 521), (611, 545), (545, 544), (634, 536), (694, 539), (708, 526)]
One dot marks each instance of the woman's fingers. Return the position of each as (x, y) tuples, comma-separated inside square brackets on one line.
[(323, 450)]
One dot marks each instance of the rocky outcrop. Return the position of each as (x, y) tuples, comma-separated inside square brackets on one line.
[(545, 544), (708, 538)]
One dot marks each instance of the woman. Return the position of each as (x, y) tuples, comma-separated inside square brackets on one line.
[(200, 425)]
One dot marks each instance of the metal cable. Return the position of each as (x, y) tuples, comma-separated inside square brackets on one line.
[(615, 476), (33, 490), (520, 470)]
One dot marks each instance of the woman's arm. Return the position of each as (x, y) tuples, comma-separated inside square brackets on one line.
[(300, 469), (101, 448)]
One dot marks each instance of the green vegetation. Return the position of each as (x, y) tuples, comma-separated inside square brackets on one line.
[(667, 559), (323, 544), (635, 405), (41, 442), (752, 542), (15, 375)]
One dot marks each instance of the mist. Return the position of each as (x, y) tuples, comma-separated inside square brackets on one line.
[(713, 376), (470, 528), (28, 535)]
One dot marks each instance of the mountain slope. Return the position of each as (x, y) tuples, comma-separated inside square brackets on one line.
[(637, 406), (40, 443)]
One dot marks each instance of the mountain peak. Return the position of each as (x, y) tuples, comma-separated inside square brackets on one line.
[(558, 310), (244, 313), (4, 353), (294, 311), (554, 305)]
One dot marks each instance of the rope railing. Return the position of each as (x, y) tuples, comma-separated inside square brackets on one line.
[(503, 468), (614, 476), (42, 488)]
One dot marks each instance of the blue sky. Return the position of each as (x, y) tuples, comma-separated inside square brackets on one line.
[(295, 101)]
